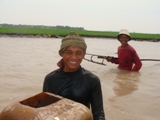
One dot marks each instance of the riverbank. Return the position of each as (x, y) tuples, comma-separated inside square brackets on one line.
[(44, 32), (62, 35)]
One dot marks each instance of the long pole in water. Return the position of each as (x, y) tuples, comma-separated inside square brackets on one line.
[(103, 57), (150, 60)]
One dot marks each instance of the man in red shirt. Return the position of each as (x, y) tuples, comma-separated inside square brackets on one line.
[(128, 59)]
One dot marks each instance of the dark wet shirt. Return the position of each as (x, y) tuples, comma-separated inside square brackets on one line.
[(81, 86)]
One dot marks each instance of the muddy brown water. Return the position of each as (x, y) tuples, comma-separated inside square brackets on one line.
[(24, 62)]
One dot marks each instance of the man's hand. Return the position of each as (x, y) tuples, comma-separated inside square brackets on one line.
[(109, 59)]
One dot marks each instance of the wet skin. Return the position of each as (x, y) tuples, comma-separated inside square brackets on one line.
[(72, 57), (123, 40)]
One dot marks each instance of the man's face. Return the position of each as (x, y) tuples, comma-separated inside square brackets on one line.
[(72, 57), (123, 39)]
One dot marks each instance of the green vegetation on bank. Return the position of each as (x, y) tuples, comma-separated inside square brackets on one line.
[(10, 30), (54, 31)]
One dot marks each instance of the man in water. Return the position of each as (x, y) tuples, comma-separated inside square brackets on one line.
[(128, 59), (72, 81)]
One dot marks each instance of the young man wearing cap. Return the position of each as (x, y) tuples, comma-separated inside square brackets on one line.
[(74, 82), (128, 59)]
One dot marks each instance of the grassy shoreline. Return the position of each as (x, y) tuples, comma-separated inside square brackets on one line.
[(48, 32)]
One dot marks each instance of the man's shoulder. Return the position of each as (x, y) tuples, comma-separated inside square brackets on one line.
[(85, 71), (51, 73), (129, 47), (89, 73)]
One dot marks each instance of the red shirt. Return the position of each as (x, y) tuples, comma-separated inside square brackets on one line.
[(128, 59)]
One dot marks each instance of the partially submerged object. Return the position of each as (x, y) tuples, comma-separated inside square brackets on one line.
[(46, 106)]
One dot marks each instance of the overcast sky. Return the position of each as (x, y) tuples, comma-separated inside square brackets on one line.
[(104, 15)]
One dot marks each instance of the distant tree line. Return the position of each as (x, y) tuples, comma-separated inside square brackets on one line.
[(42, 26)]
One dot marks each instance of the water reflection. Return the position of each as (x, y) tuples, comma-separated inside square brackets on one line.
[(126, 82)]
